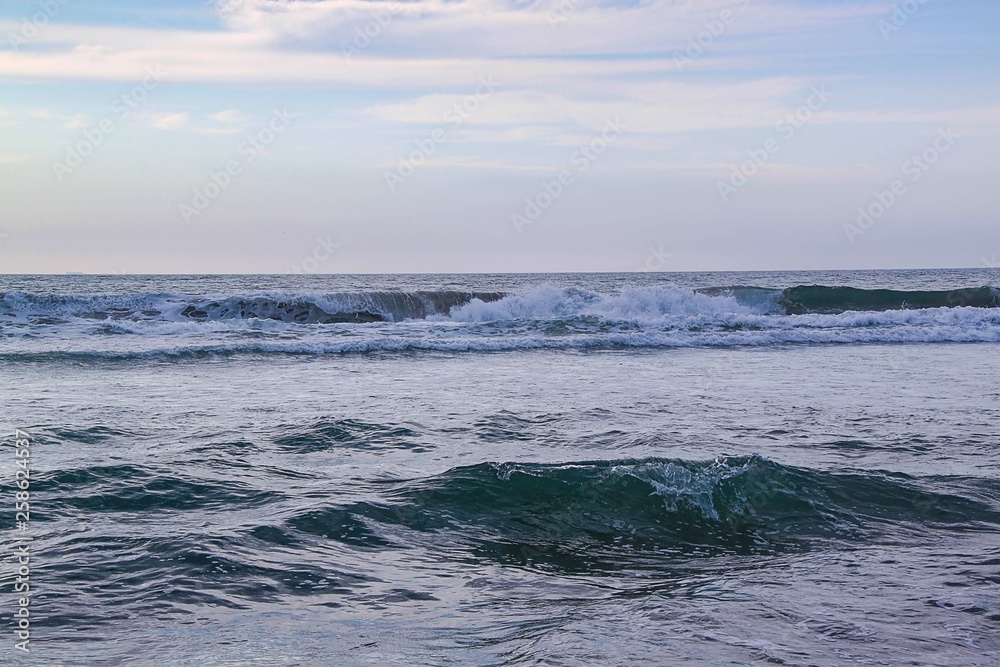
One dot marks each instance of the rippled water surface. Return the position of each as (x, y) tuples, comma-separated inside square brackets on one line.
[(764, 499)]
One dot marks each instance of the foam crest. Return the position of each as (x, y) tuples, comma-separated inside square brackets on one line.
[(633, 303)]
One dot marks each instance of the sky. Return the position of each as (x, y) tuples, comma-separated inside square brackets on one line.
[(375, 136)]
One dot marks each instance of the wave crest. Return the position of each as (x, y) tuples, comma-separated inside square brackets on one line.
[(646, 509), (337, 308)]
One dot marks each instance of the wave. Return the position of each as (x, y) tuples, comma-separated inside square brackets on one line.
[(627, 508), (811, 299), (820, 299), (724, 305), (48, 327), (631, 304), (348, 434), (337, 308), (126, 489)]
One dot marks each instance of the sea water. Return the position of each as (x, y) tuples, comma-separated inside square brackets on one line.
[(616, 469)]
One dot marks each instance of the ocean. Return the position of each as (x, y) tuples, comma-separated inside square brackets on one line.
[(796, 468)]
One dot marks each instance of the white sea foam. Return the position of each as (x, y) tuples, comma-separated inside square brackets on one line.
[(633, 303)]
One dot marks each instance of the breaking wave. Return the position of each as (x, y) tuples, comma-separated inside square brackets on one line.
[(358, 307), (103, 326)]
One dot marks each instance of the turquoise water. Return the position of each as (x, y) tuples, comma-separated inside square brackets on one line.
[(564, 470)]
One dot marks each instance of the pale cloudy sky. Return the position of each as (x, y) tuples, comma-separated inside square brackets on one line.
[(266, 136)]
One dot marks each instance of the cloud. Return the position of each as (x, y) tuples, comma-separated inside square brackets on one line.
[(781, 172), (426, 43), (576, 71), (14, 158), (227, 116), (231, 59), (469, 162), (662, 107), (971, 121), (493, 28), (74, 122), (91, 50), (168, 121)]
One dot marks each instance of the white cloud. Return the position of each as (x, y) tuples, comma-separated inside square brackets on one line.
[(663, 107), (168, 121), (91, 50), (972, 121), (571, 73), (74, 122), (14, 158), (542, 27), (426, 43), (784, 172), (469, 162), (227, 116)]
